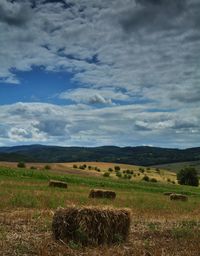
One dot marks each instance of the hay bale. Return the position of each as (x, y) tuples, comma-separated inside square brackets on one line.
[(178, 197), (101, 193), (91, 225), (168, 193), (57, 183)]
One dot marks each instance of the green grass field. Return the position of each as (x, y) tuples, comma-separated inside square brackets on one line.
[(27, 204)]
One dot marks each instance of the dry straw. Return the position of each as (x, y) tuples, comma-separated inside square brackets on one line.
[(100, 193), (91, 225), (57, 183)]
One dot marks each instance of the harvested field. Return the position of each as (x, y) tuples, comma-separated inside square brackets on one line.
[(28, 232)]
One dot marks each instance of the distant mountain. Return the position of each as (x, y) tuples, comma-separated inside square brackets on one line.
[(131, 155)]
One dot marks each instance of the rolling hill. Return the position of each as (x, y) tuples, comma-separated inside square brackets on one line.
[(142, 155), (175, 167)]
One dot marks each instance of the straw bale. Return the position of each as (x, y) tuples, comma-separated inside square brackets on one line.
[(57, 183), (91, 225), (178, 197), (101, 193)]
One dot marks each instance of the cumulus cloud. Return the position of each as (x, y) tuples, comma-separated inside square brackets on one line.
[(95, 96), (79, 125)]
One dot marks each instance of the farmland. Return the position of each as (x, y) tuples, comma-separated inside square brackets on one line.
[(159, 226)]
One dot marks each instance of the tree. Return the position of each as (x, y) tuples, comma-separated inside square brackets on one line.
[(117, 168), (21, 165), (188, 176)]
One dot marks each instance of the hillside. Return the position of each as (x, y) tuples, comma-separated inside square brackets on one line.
[(98, 169), (142, 155), (175, 167)]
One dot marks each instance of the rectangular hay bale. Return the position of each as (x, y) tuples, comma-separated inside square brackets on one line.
[(91, 225), (178, 197), (57, 183), (101, 193)]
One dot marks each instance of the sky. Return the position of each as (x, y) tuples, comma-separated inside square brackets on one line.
[(92, 73)]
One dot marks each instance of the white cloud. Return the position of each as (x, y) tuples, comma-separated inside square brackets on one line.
[(81, 125)]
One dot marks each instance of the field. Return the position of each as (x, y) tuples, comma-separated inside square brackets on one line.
[(159, 226)]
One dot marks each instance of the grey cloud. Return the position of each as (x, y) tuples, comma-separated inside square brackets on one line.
[(186, 94), (153, 15), (14, 13), (53, 127)]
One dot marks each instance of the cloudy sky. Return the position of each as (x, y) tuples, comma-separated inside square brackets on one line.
[(99, 72)]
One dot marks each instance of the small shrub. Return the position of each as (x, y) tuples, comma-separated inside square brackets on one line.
[(75, 166), (110, 169), (118, 174), (125, 176), (84, 166), (106, 174), (145, 178), (168, 180), (33, 168), (89, 167), (141, 170), (148, 168), (117, 168), (81, 167), (153, 180), (21, 165), (129, 176), (47, 167)]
